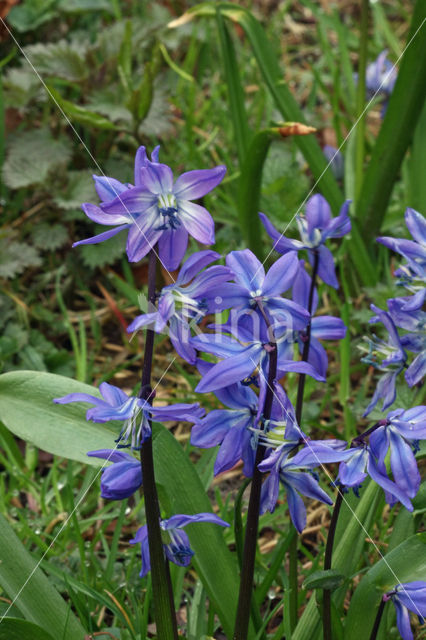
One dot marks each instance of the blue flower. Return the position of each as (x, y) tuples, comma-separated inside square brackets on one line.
[(157, 209), (136, 412), (352, 473), (393, 361), (393, 432), (288, 471), (408, 596), (252, 288), (175, 541), (184, 303), (414, 251), (121, 479), (237, 429), (240, 360), (380, 76), (314, 228)]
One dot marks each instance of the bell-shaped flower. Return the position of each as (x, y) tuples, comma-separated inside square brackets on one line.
[(360, 463), (315, 228), (396, 432), (159, 209), (393, 359), (241, 360), (253, 288), (295, 475), (414, 251), (122, 478), (380, 76), (237, 428), (136, 412), (408, 596), (175, 541), (183, 304)]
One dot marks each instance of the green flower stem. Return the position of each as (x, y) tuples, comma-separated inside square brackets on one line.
[(250, 542), (377, 620), (326, 612), (292, 552), (165, 616)]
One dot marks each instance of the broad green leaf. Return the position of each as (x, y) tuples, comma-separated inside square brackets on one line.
[(77, 113), (61, 59), (329, 579), (32, 155), (31, 591), (18, 629), (403, 112), (180, 482), (405, 563), (15, 257), (27, 409), (417, 166)]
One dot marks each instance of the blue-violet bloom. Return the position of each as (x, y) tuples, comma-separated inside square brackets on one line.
[(408, 596), (137, 412), (175, 541), (183, 304), (157, 209), (315, 227), (121, 479)]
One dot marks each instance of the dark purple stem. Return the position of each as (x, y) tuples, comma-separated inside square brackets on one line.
[(378, 619), (165, 616), (250, 541)]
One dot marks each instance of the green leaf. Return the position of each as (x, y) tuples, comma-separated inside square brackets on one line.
[(356, 517), (273, 76), (28, 411), (18, 629), (180, 481), (32, 155), (235, 92), (50, 236), (77, 113), (329, 579), (405, 563), (26, 408), (31, 591), (16, 257), (403, 112), (61, 59), (99, 255)]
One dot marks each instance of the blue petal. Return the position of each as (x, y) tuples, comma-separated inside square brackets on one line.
[(302, 287), (379, 443), (387, 484), (413, 596), (328, 328), (121, 480), (417, 369), (403, 465), (195, 184), (231, 449), (281, 243), (106, 235), (172, 245), (212, 429), (403, 621), (269, 492), (326, 270), (180, 336), (231, 370), (194, 264), (181, 520), (197, 221), (297, 509), (318, 212), (305, 484), (142, 538), (416, 224), (108, 188), (351, 473), (341, 225), (280, 276), (248, 270)]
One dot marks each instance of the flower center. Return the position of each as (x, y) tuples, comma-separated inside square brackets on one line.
[(167, 207)]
